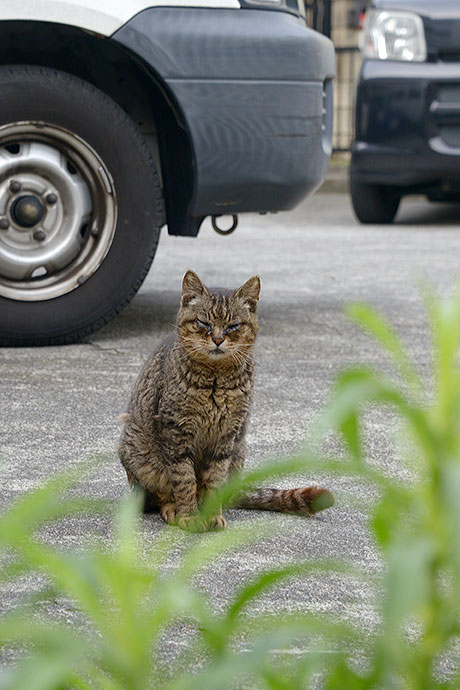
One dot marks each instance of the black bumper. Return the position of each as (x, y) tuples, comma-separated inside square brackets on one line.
[(408, 125), (255, 91)]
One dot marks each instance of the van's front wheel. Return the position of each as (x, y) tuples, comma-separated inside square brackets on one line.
[(80, 207)]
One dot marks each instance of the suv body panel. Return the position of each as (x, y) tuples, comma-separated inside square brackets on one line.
[(408, 113)]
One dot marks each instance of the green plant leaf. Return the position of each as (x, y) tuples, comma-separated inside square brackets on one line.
[(374, 323), (45, 503), (395, 504), (55, 651), (409, 571), (206, 549), (450, 494)]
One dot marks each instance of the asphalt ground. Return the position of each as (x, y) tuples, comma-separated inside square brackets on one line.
[(60, 405)]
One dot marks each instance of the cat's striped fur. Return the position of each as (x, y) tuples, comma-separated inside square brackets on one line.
[(184, 432)]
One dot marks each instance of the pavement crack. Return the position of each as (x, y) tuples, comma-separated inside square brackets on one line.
[(112, 350)]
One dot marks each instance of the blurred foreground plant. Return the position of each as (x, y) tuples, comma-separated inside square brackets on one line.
[(129, 598)]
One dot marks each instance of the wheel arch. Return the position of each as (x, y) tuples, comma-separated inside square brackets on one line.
[(136, 88)]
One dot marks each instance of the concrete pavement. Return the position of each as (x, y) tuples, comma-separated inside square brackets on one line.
[(60, 404)]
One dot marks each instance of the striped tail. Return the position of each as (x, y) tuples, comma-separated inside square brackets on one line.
[(306, 501)]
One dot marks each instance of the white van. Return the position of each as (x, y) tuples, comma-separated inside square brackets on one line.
[(120, 116)]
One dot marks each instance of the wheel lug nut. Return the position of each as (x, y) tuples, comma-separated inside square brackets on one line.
[(39, 235), (51, 199), (15, 186), (4, 225)]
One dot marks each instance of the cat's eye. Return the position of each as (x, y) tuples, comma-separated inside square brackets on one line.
[(232, 327), (203, 324)]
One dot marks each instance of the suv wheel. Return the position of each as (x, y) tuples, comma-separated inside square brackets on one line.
[(80, 207), (373, 203)]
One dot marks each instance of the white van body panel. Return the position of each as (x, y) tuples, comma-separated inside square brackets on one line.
[(101, 16)]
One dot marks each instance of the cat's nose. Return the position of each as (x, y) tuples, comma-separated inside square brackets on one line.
[(218, 339)]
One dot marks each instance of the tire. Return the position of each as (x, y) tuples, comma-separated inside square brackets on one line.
[(80, 207), (373, 203)]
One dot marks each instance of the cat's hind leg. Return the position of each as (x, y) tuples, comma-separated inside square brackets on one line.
[(168, 488), (150, 501), (145, 474)]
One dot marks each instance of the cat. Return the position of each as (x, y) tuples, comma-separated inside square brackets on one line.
[(184, 432)]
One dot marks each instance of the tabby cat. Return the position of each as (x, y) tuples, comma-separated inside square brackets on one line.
[(185, 428)]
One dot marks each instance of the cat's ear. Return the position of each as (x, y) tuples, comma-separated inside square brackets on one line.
[(192, 287), (249, 292)]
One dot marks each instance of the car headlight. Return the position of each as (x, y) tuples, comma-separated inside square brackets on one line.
[(389, 35)]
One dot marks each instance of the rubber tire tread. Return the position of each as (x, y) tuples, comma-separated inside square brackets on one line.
[(101, 122), (373, 203)]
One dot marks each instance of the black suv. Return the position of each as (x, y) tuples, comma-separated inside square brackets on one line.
[(407, 136)]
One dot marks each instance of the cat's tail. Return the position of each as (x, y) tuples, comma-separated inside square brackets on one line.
[(305, 501)]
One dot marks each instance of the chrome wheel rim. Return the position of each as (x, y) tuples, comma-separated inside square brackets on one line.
[(58, 211)]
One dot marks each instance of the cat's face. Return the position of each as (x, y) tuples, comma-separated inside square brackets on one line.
[(218, 327)]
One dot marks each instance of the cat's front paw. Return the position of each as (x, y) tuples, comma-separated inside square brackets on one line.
[(217, 522), (192, 523), (168, 513)]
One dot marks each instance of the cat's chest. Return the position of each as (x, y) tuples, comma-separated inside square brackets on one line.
[(213, 411), (214, 403)]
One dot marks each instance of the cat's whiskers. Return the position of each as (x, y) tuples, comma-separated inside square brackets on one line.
[(248, 356), (238, 357), (239, 349), (189, 352), (190, 347), (235, 358)]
